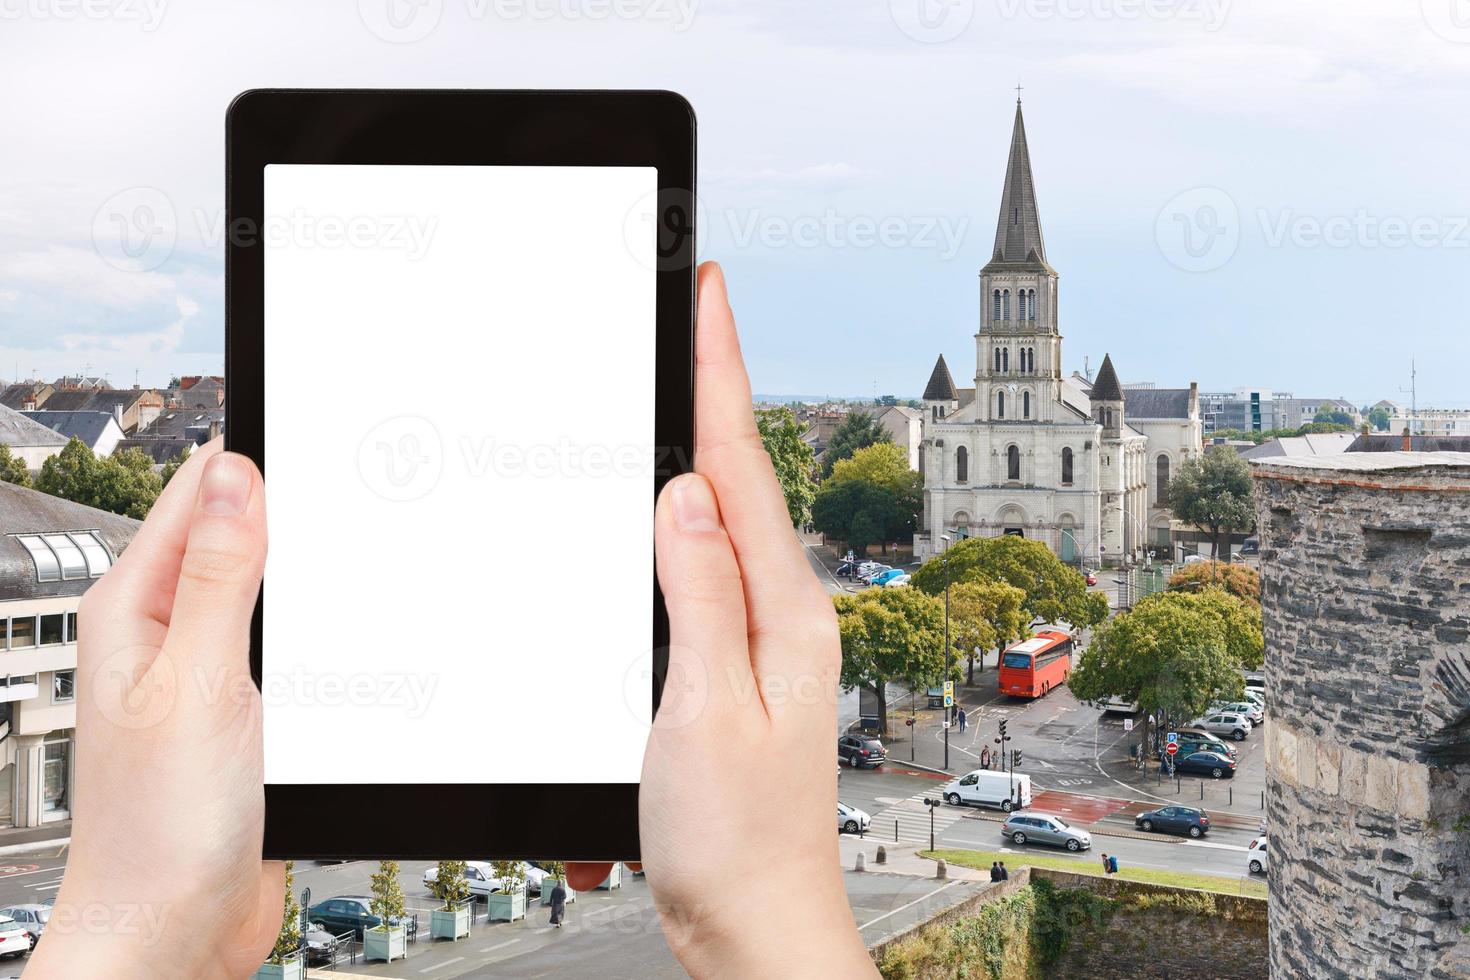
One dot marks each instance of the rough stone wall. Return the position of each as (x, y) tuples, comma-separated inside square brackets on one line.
[(1365, 567)]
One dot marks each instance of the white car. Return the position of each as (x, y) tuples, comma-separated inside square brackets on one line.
[(1248, 708), (989, 787), (1255, 856), (1194, 559), (1255, 697), (480, 876), (14, 939), (1230, 723), (895, 582), (851, 820)]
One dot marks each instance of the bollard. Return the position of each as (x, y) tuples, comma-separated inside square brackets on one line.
[(1232, 795), (1263, 799), (861, 864), (895, 831), (941, 870), (882, 856), (1202, 789)]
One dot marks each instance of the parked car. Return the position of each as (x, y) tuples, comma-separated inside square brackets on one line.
[(318, 945), (887, 575), (1251, 546), (851, 820), (861, 751), (1091, 579), (869, 567), (1044, 828), (32, 918), (986, 787), (1256, 697), (15, 939), (1211, 764), (1237, 726), (1255, 856), (1120, 705), (934, 694), (345, 913), (1247, 707), (874, 573), (1174, 820), (1194, 559), (1192, 742), (897, 580), (480, 876)]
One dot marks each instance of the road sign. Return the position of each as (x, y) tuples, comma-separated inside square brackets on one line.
[(1127, 724), (1172, 737), (1172, 748), (949, 694)]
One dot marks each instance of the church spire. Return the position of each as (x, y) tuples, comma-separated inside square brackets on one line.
[(941, 384), (1018, 232)]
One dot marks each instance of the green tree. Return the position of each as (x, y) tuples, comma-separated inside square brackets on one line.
[(172, 466), (885, 464), (862, 513), (1379, 419), (857, 431), (1054, 591), (123, 483), (387, 901), (985, 616), (510, 874), (288, 940), (1174, 654), (792, 458), (1241, 581), (888, 635), (13, 468), (1333, 416), (1213, 492)]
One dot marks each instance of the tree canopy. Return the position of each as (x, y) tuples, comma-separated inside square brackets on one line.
[(890, 634), (1379, 418), (983, 616), (172, 466), (1213, 492), (857, 431), (13, 468), (793, 459), (1053, 591), (123, 483), (885, 464), (1239, 580), (863, 514)]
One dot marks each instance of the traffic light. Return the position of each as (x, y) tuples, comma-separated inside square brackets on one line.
[(1015, 758), (1002, 728)]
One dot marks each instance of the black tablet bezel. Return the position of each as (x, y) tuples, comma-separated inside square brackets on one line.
[(581, 822)]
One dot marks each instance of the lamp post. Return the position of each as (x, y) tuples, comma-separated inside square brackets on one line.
[(944, 559)]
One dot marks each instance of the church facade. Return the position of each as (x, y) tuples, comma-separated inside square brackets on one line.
[(1080, 464)]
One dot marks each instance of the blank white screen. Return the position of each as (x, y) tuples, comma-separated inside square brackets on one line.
[(459, 425)]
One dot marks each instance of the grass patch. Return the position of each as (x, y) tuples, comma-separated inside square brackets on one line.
[(982, 860)]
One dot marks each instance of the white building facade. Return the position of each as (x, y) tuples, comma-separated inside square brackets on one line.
[(1029, 450)]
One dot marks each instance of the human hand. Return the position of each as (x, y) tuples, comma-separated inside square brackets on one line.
[(164, 875), (738, 789)]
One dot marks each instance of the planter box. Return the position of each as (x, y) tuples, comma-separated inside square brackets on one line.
[(449, 923), (506, 908), (385, 944), (549, 885), (614, 878), (292, 969)]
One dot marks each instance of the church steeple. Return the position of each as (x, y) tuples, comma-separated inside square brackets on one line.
[(1018, 230)]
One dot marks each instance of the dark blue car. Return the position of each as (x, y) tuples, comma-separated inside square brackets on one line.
[(1174, 820)]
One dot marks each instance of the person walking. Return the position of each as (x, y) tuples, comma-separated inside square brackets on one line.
[(995, 871), (1004, 874), (1107, 867), (1113, 865), (985, 757), (964, 720), (558, 903)]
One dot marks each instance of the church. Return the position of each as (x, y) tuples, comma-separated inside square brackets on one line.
[(1080, 464)]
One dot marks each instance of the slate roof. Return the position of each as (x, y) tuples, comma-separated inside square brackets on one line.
[(175, 423), (941, 384), (18, 431), (1384, 442), (92, 400), (159, 450), (26, 511), (1018, 229), (1106, 387), (1156, 403), (17, 395), (1318, 444), (86, 426)]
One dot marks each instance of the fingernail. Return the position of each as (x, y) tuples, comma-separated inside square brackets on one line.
[(224, 490), (695, 509)]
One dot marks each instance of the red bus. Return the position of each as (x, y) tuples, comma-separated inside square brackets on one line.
[(1032, 667)]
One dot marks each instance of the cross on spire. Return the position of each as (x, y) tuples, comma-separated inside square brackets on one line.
[(1018, 93)]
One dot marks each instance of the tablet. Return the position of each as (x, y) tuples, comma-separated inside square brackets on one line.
[(460, 349)]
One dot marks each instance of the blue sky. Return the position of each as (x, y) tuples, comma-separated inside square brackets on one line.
[(851, 157)]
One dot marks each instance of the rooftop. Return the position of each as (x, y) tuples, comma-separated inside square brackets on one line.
[(18, 431), (24, 513)]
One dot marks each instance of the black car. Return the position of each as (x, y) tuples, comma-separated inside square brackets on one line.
[(1174, 820), (345, 913), (1211, 764), (861, 751)]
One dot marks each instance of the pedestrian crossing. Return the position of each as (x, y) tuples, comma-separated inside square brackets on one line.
[(912, 817)]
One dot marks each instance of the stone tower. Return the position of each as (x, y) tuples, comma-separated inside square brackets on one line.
[(1365, 568)]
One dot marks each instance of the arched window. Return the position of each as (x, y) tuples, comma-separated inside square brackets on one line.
[(961, 465), (995, 305), (1161, 490), (1000, 405), (997, 360), (1013, 463), (1021, 304), (1025, 404), (1031, 306), (1067, 467), (1028, 361), (1005, 304), (1005, 361)]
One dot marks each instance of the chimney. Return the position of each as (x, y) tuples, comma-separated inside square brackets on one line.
[(1193, 399), (117, 412), (1408, 440), (213, 429)]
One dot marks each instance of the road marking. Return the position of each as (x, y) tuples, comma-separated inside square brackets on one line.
[(437, 966), (1217, 847), (491, 949), (38, 871), (909, 905)]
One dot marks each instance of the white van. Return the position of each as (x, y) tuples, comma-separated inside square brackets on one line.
[(987, 787)]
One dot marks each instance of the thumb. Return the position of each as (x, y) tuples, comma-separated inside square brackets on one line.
[(224, 557)]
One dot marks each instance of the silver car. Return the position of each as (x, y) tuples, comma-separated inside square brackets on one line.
[(1045, 828), (851, 820), (32, 918)]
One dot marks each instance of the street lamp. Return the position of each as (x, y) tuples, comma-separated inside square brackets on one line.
[(944, 559), (933, 805)]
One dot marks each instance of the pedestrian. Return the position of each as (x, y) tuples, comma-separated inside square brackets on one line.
[(964, 719), (1107, 868), (985, 757), (558, 903), (1113, 864), (995, 871), (1004, 874)]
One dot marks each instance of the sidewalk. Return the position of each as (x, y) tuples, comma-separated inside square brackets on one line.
[(14, 840)]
